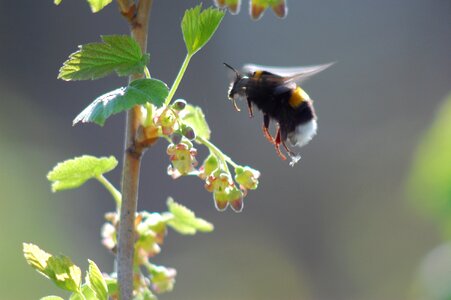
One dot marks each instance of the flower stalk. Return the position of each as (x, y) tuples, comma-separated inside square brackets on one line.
[(113, 191), (178, 79)]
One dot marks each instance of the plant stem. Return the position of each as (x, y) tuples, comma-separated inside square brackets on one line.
[(113, 191), (148, 106), (216, 151), (177, 80), (132, 161), (149, 115), (147, 73)]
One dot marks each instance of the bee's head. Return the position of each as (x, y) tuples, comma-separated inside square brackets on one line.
[(237, 88)]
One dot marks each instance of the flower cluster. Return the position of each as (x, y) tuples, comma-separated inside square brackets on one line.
[(182, 154), (109, 231), (163, 278), (149, 227), (150, 231), (167, 117), (256, 7), (182, 124), (225, 191), (215, 172)]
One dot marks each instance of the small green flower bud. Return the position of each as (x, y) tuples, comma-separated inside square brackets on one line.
[(210, 164)]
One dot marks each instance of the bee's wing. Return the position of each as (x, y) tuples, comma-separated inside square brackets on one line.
[(290, 74)]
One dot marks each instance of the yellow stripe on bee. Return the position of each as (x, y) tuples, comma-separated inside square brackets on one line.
[(258, 74), (297, 97)]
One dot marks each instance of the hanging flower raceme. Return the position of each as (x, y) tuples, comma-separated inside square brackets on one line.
[(186, 124), (109, 231), (150, 232), (256, 7), (149, 227), (224, 191)]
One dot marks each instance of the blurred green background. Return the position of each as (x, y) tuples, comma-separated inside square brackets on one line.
[(360, 217)]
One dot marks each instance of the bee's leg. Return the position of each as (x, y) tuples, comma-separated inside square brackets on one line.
[(294, 157), (251, 111), (277, 143), (266, 128), (235, 105), (291, 153), (283, 139)]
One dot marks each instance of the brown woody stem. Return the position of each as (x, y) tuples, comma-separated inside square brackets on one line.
[(138, 18)]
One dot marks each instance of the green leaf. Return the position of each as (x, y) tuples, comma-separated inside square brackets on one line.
[(87, 293), (112, 286), (64, 273), (77, 296), (199, 26), (74, 172), (117, 53), (184, 220), (138, 92), (52, 298), (98, 5), (96, 281), (429, 184), (36, 257), (194, 117), (60, 269)]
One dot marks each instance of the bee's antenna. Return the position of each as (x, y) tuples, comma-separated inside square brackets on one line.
[(233, 69)]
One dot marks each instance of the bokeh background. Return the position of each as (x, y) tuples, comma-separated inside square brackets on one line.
[(339, 225)]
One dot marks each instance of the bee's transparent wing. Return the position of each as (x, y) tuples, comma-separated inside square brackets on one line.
[(290, 74)]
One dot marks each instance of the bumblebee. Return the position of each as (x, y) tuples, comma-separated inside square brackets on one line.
[(277, 94)]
